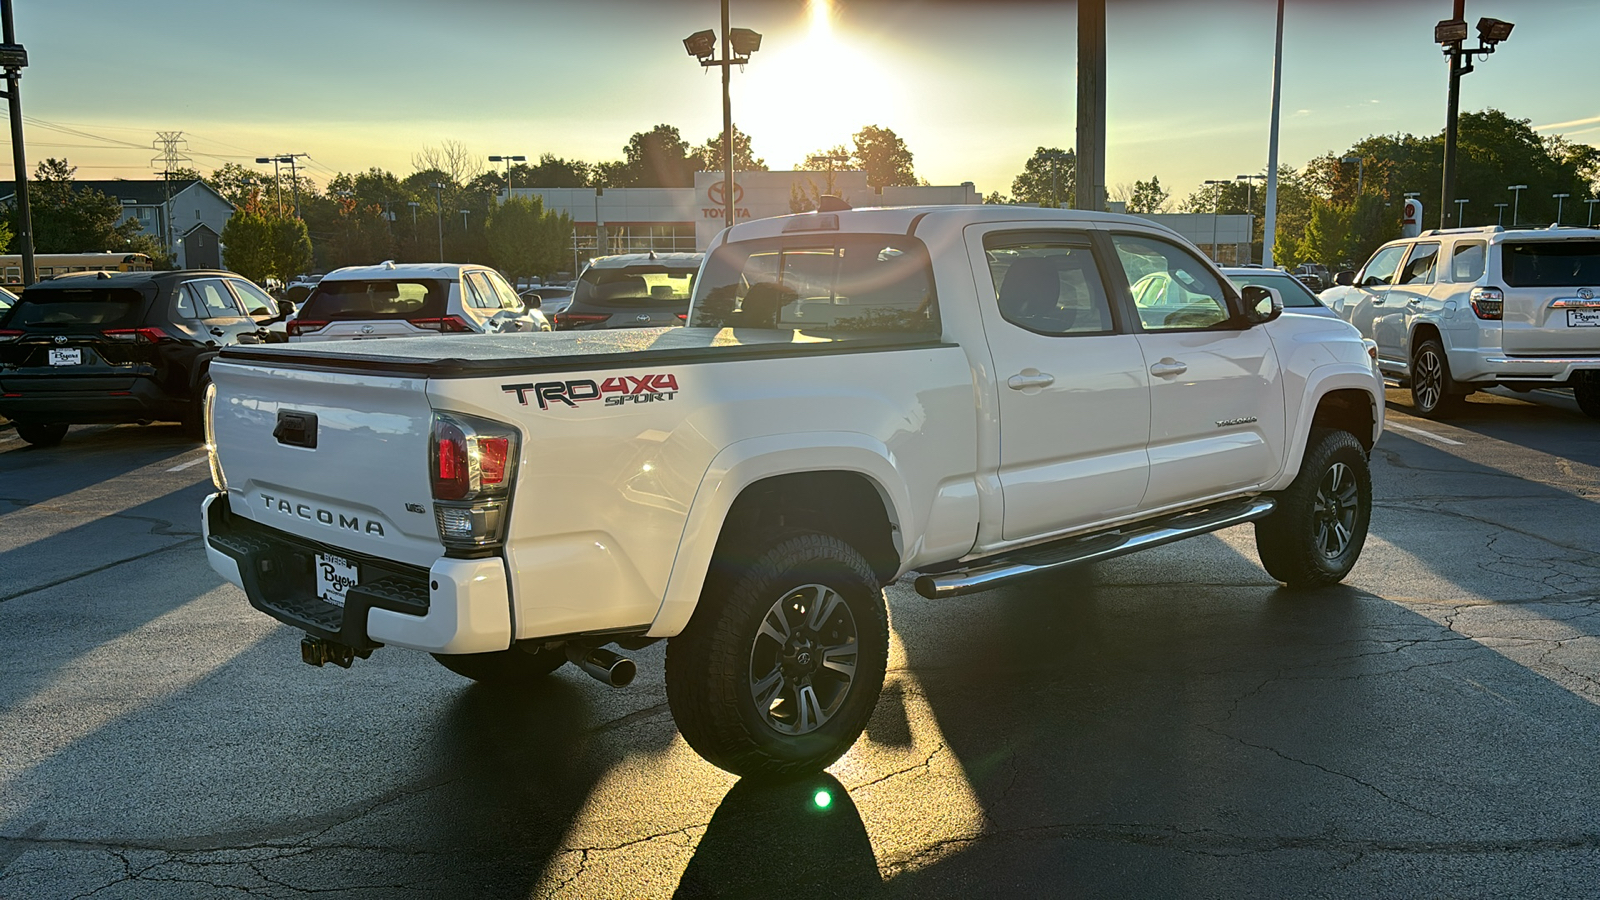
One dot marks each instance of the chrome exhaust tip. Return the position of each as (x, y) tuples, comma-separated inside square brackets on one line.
[(602, 665)]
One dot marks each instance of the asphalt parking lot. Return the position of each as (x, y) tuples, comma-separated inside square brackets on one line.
[(1168, 724)]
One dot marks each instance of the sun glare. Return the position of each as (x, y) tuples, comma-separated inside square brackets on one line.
[(818, 90)]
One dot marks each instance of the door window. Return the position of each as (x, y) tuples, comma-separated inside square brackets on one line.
[(1419, 266), (1050, 287), (256, 302), (213, 300), (1172, 289), (508, 297), (1466, 262), (1381, 267), (479, 294)]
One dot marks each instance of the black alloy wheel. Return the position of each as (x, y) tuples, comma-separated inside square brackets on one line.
[(1433, 392), (1315, 535)]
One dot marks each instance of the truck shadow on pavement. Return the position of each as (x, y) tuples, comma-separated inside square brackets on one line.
[(89, 456)]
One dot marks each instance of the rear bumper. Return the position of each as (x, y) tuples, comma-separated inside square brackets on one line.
[(1551, 369), (456, 606), (141, 400)]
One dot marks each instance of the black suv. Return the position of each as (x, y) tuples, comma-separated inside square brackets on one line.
[(111, 347)]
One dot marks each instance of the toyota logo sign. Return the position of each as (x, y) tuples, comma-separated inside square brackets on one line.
[(718, 189)]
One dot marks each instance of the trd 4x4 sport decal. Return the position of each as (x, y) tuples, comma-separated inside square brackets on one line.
[(613, 391)]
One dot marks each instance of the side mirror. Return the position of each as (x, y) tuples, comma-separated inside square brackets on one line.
[(1262, 304), (533, 301), (1344, 279), (285, 308)]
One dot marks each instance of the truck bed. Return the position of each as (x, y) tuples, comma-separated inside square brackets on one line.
[(473, 356)]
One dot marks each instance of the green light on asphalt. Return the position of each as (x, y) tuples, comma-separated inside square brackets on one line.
[(822, 799)]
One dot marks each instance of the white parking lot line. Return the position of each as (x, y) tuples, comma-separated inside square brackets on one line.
[(1427, 434), (181, 466)]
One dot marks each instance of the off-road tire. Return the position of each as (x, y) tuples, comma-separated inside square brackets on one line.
[(1434, 394), (1297, 540), (1588, 397), (711, 666), (511, 666), (41, 435)]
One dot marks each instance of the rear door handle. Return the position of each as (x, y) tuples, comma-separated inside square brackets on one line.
[(1030, 378), (1168, 367)]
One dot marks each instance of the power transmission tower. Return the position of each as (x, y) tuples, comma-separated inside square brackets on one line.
[(171, 146)]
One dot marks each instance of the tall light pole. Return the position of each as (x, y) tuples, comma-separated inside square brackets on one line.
[(1500, 214), (1361, 173), (438, 213), (1559, 198), (1516, 202), (1249, 204), (14, 57), (1460, 206), (1269, 228), (1591, 202), (1449, 34), (508, 160), (277, 184), (413, 204), (1216, 207), (737, 45)]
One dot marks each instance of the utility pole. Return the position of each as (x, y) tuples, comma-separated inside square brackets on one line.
[(1091, 193), (168, 142), (14, 58)]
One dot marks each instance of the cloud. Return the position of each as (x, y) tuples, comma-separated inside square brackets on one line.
[(1302, 112)]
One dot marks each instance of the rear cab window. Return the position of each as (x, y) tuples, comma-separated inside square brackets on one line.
[(1569, 263), (376, 299), (832, 285)]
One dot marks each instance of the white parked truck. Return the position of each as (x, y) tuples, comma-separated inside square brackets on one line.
[(972, 393)]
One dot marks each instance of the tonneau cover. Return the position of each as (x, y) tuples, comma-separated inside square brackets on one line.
[(468, 356)]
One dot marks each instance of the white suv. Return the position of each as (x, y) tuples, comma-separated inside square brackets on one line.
[(1463, 309), (404, 300)]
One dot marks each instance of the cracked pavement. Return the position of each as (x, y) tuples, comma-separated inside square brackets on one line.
[(1166, 724)]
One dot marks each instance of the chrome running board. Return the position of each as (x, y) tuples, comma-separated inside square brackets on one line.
[(1092, 548)]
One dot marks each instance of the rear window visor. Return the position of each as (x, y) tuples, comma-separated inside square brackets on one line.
[(835, 285), (1551, 263), (636, 286), (76, 310), (386, 299)]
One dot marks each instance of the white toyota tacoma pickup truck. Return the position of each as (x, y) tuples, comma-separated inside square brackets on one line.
[(972, 393)]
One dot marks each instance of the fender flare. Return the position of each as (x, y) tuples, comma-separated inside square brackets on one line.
[(743, 463), (1322, 381)]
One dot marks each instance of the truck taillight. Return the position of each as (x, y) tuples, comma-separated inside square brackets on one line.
[(566, 321), (1487, 302), (472, 466), (209, 416)]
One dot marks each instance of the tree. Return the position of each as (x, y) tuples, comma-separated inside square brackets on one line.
[(291, 246), (708, 156), (836, 157), (553, 172), (237, 184), (1049, 178), (247, 245), (525, 240), (657, 158), (1148, 197), (884, 157), (452, 159), (68, 218), (995, 197)]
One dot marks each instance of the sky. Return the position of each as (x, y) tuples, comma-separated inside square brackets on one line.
[(973, 88)]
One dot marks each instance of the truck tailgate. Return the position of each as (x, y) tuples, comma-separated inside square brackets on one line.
[(361, 484)]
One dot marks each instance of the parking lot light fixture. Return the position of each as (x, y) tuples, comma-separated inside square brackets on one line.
[(438, 214), (1516, 201), (508, 160), (1500, 213), (1560, 199), (1216, 184), (1461, 205), (737, 45), (1591, 202), (1451, 35)]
